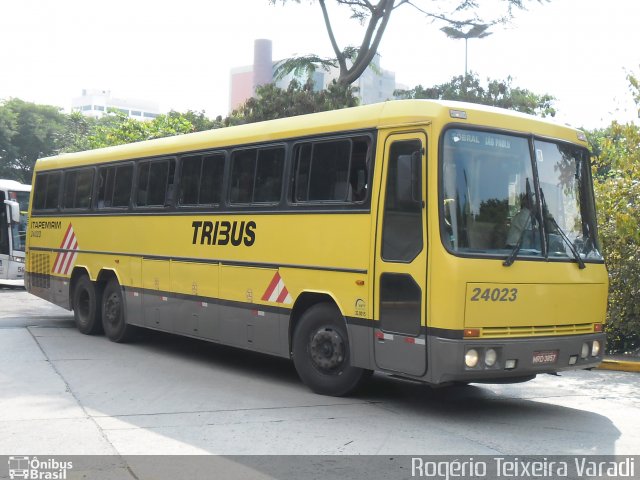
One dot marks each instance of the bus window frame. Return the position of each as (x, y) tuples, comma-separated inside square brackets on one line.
[(169, 203), (347, 205), (223, 187), (62, 192), (49, 173), (112, 209), (235, 206)]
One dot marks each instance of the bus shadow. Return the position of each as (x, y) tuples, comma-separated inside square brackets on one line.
[(235, 360), (524, 418)]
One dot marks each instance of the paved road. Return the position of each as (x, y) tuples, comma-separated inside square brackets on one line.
[(65, 393)]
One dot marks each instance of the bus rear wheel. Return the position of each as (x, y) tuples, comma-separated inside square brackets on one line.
[(113, 314), (321, 352), (86, 306)]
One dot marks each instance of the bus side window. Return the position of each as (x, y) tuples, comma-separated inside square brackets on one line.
[(211, 179), (358, 176), (256, 175), (243, 164), (201, 179), (46, 191), (331, 170), (105, 186), (158, 175), (78, 186), (122, 186), (40, 191), (142, 184), (268, 183), (302, 165), (190, 179), (155, 183), (114, 186)]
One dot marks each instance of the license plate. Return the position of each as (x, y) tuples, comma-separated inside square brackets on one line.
[(545, 357)]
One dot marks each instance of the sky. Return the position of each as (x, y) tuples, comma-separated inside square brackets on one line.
[(180, 53)]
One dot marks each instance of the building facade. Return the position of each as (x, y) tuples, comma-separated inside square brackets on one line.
[(374, 85), (96, 103)]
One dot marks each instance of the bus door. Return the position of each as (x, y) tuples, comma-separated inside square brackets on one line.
[(401, 257)]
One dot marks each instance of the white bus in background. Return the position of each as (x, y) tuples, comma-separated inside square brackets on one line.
[(14, 205)]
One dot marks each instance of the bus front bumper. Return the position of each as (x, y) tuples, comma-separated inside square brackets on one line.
[(515, 358)]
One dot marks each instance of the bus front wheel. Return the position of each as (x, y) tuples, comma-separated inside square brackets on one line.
[(321, 352), (86, 306), (113, 314)]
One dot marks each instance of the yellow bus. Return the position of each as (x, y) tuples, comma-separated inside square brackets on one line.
[(438, 241)]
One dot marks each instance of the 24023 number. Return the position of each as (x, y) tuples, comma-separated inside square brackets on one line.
[(494, 294)]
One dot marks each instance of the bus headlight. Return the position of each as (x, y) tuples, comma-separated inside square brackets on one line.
[(585, 351), (490, 357), (595, 349), (471, 358)]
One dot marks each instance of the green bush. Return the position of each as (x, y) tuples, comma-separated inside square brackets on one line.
[(616, 174)]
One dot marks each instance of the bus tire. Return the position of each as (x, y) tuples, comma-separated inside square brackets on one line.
[(321, 352), (86, 306), (113, 314)]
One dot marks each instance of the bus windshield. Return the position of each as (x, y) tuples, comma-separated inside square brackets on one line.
[(491, 205), (567, 200), (19, 230)]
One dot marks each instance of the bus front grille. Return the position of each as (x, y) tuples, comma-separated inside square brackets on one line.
[(537, 331)]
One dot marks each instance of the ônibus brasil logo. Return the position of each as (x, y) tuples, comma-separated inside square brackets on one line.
[(32, 468)]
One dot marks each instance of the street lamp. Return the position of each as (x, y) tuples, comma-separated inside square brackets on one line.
[(477, 31)]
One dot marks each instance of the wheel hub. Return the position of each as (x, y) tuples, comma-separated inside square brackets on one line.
[(327, 350), (112, 309)]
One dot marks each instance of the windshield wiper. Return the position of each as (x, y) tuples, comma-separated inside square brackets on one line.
[(548, 216), (516, 248), (514, 252)]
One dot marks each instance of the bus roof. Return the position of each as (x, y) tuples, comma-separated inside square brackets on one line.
[(379, 115), (14, 186)]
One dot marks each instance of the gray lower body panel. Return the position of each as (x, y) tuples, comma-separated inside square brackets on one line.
[(50, 288), (239, 325)]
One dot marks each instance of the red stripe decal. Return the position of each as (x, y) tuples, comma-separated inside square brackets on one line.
[(283, 295), (271, 287), (64, 239)]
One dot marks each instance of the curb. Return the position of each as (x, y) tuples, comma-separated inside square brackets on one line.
[(619, 365)]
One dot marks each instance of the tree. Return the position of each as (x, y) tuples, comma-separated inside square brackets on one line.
[(27, 132), (272, 102), (497, 93), (76, 135), (352, 61), (198, 120), (116, 128), (616, 172)]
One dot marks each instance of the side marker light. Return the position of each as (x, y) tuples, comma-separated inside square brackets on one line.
[(471, 332)]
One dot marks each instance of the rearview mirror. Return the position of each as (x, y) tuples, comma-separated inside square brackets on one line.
[(14, 208)]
